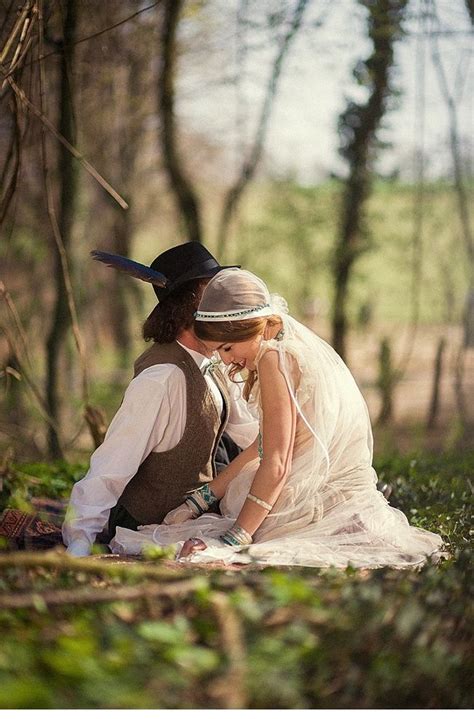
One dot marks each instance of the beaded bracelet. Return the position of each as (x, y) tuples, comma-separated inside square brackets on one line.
[(200, 500), (236, 536), (259, 501)]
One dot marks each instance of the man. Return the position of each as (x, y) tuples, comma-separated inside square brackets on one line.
[(167, 438)]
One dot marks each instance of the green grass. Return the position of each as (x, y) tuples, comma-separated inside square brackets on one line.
[(287, 234), (309, 638)]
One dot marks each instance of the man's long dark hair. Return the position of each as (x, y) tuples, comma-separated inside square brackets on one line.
[(174, 314)]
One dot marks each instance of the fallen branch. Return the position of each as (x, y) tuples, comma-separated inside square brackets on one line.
[(88, 565), (231, 689), (87, 595)]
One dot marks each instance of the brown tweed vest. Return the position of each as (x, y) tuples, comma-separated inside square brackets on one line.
[(164, 477)]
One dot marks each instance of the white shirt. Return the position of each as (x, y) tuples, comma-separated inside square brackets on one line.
[(151, 418)]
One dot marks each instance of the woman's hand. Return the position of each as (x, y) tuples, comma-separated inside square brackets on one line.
[(191, 546), (183, 513)]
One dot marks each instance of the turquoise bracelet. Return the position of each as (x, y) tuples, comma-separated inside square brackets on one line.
[(200, 500), (236, 536)]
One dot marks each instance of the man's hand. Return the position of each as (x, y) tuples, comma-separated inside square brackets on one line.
[(191, 546), (79, 548), (183, 513)]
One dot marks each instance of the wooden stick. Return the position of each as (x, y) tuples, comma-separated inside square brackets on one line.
[(87, 166), (88, 595), (16, 29), (88, 565), (231, 690)]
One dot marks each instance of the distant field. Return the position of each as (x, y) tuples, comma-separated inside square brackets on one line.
[(287, 236)]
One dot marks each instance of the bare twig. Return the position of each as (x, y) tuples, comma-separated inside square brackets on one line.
[(95, 34), (19, 352), (17, 28), (6, 297), (85, 163), (24, 43), (20, 434), (29, 381), (10, 175)]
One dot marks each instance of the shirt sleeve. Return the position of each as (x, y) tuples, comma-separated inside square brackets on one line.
[(137, 428), (242, 426)]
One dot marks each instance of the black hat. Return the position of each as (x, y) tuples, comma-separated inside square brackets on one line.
[(180, 264), (171, 269)]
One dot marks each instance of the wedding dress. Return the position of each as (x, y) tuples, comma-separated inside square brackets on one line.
[(329, 512)]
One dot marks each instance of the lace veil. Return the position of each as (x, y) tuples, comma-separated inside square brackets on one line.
[(326, 397), (329, 511)]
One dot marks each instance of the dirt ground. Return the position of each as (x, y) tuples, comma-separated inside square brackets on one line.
[(412, 396)]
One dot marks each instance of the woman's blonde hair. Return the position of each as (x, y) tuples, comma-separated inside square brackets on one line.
[(238, 331)]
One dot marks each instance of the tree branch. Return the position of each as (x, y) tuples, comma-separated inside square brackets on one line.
[(85, 164), (92, 595), (61, 561), (250, 164)]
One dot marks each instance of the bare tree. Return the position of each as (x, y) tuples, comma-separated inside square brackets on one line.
[(115, 139), (251, 161), (181, 186), (68, 198), (358, 126), (459, 184)]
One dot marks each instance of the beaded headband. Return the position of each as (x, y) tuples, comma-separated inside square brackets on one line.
[(258, 311)]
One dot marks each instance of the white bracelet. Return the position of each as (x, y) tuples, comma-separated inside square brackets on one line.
[(259, 501)]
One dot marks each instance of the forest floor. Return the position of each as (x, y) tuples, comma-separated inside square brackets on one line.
[(107, 632)]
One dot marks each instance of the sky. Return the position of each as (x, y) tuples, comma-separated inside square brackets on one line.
[(316, 82)]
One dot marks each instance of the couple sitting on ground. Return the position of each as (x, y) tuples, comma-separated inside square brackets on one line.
[(265, 455)]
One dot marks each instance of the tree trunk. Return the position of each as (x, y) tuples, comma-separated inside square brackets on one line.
[(435, 392), (461, 193), (68, 189), (358, 126), (129, 130), (386, 382), (181, 187)]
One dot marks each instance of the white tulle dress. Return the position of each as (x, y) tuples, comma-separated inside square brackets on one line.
[(329, 512)]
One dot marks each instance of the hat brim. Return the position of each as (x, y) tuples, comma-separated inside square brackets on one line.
[(161, 293), (215, 271)]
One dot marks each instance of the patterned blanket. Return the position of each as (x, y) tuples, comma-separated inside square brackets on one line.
[(40, 529)]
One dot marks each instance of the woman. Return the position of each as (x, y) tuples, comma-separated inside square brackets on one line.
[(304, 492)]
